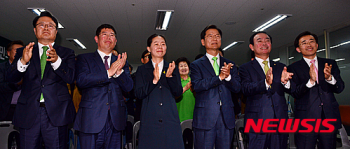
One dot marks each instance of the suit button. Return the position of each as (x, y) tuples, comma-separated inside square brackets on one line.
[(160, 86), (320, 106), (109, 90), (220, 91), (107, 103), (38, 100), (320, 93), (218, 103), (160, 104), (160, 120), (272, 106), (43, 86)]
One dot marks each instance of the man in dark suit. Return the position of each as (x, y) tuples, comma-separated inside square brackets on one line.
[(264, 83), (9, 91), (213, 117), (44, 108), (313, 86), (101, 77)]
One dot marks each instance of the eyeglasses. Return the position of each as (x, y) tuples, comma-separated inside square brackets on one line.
[(210, 36), (306, 43), (107, 35), (49, 26)]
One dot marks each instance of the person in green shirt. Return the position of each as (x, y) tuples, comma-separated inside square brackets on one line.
[(185, 103)]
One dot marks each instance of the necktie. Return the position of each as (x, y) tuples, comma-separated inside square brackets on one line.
[(316, 71), (106, 62), (216, 66), (266, 66), (42, 66)]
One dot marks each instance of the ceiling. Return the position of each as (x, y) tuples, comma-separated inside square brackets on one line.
[(135, 20)]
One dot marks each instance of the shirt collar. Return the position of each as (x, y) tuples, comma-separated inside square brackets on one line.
[(210, 57), (40, 46), (308, 61), (160, 65), (103, 55), (261, 60)]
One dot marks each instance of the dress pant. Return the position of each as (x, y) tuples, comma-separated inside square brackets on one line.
[(219, 136), (267, 140), (108, 138), (43, 131)]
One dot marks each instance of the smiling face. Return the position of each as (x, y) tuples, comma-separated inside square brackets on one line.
[(158, 47), (307, 46), (106, 41), (212, 39), (45, 30), (262, 45), (183, 68)]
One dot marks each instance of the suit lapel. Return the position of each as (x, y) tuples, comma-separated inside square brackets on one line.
[(320, 69), (206, 64), (99, 62), (304, 67), (258, 68), (36, 60), (149, 68)]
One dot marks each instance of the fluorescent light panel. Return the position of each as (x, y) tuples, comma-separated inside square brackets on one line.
[(276, 59), (38, 11), (77, 43), (332, 47), (163, 19), (271, 22), (291, 57), (340, 59), (232, 44)]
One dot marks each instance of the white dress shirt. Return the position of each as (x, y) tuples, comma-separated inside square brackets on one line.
[(108, 61), (160, 67)]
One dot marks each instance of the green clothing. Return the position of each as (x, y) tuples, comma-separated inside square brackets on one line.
[(185, 104)]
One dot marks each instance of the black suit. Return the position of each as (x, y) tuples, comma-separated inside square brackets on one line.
[(6, 89), (317, 102)]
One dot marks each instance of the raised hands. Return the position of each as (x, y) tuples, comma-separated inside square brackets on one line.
[(27, 53), (117, 66), (269, 76), (225, 70), (327, 72), (156, 74), (313, 76), (169, 72), (52, 55), (286, 75)]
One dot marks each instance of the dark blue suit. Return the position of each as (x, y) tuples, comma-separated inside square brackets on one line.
[(59, 108), (6, 90), (317, 102), (160, 123), (209, 92), (102, 102), (262, 103)]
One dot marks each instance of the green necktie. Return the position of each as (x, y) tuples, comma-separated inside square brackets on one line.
[(42, 66), (216, 66), (266, 66)]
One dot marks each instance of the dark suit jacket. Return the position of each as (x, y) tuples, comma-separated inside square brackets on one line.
[(6, 90), (160, 123), (262, 103), (209, 91), (308, 100), (100, 94), (59, 105)]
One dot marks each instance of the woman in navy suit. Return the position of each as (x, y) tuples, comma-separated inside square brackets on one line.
[(157, 84)]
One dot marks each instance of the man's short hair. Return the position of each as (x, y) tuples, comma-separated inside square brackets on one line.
[(9, 46), (150, 38), (198, 56), (144, 53), (98, 31), (251, 39), (45, 14), (209, 27), (182, 59), (296, 41)]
